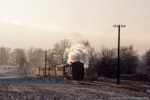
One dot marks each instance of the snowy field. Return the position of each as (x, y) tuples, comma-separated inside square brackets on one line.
[(44, 89), (7, 69), (16, 88)]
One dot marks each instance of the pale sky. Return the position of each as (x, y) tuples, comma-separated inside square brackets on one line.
[(42, 23)]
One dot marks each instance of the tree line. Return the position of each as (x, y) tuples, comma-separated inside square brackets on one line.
[(104, 60)]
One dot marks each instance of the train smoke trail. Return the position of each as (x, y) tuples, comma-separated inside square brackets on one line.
[(79, 52)]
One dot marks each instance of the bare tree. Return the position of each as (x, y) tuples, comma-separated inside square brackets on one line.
[(35, 57), (51, 59), (4, 55), (85, 42), (106, 64), (60, 51), (23, 67), (19, 59), (142, 68), (146, 59), (16, 55), (129, 60)]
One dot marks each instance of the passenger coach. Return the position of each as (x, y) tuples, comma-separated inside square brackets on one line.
[(73, 71)]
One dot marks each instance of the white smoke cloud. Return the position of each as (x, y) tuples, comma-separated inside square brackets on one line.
[(79, 52)]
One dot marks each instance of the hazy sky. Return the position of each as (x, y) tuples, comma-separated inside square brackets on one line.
[(42, 23)]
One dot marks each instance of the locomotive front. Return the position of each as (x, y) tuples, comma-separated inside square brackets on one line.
[(77, 70)]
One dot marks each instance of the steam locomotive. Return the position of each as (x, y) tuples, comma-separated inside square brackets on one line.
[(73, 71)]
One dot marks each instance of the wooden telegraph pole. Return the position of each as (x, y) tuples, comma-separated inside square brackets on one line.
[(45, 62), (118, 67)]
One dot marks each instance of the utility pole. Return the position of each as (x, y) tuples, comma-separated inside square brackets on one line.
[(118, 67), (45, 62)]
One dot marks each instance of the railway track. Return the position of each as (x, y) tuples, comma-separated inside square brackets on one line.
[(136, 87)]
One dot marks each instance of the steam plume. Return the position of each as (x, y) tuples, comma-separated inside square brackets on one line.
[(79, 52)]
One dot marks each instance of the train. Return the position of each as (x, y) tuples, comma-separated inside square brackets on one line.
[(74, 71)]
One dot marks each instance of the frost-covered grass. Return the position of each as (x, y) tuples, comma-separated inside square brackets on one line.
[(31, 81), (59, 89), (65, 92), (13, 87)]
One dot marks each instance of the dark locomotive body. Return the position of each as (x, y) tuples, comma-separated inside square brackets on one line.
[(73, 71), (77, 71)]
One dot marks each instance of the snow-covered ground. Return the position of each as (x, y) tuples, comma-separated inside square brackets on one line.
[(66, 91), (31, 81), (7, 69), (16, 88)]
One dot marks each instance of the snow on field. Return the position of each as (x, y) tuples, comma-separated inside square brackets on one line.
[(66, 92), (31, 81), (60, 89), (13, 87), (7, 69)]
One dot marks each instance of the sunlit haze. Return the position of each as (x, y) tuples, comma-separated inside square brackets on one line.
[(42, 23)]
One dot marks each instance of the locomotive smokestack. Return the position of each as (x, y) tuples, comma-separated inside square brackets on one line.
[(79, 52)]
